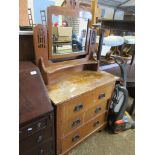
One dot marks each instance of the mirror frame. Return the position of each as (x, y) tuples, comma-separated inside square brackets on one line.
[(65, 11)]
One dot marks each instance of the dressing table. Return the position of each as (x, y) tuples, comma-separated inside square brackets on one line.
[(76, 87)]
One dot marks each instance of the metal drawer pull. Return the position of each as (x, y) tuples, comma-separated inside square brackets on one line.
[(40, 138), (76, 122), (96, 123), (75, 138), (102, 95), (98, 109), (41, 152), (78, 107)]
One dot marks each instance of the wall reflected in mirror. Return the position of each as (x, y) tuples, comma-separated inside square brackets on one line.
[(68, 34)]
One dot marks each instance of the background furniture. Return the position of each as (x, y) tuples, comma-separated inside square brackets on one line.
[(26, 47), (125, 26), (36, 115)]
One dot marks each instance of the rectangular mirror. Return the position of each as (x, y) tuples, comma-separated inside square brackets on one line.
[(68, 34)]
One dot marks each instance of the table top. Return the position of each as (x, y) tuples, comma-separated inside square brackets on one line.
[(78, 83), (122, 25)]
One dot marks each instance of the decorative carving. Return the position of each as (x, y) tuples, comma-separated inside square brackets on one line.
[(72, 3), (40, 44), (41, 38)]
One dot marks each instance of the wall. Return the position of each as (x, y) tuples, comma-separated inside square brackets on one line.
[(23, 16), (109, 12)]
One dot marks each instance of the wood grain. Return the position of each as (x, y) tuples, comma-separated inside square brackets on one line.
[(76, 84)]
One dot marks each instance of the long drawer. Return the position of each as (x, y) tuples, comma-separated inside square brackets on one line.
[(35, 139), (72, 124), (35, 126), (82, 132)]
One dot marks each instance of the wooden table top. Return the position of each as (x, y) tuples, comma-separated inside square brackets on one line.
[(123, 25), (76, 84)]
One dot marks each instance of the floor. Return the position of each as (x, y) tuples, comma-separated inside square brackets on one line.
[(103, 143)]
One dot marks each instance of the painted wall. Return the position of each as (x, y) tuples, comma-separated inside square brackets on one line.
[(40, 5)]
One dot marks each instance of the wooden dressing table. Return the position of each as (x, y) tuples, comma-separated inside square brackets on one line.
[(76, 87)]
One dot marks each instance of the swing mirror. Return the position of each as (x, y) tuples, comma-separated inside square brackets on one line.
[(67, 31)]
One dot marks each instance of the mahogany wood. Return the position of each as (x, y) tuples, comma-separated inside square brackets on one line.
[(36, 117), (26, 48)]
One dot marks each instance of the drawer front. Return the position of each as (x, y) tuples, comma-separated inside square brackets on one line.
[(80, 133), (94, 111), (35, 139), (72, 124), (35, 126), (103, 93), (72, 139), (76, 106), (96, 122), (43, 149)]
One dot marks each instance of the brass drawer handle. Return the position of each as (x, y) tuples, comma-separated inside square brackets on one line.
[(40, 138), (75, 138), (76, 123), (98, 109), (96, 123), (78, 107), (102, 95)]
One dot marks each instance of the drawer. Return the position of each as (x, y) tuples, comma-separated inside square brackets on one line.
[(43, 149), (35, 139), (35, 126), (96, 122), (103, 93), (72, 124), (94, 111), (73, 138), (76, 106), (80, 133)]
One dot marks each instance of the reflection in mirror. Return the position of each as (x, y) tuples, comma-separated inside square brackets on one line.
[(68, 34)]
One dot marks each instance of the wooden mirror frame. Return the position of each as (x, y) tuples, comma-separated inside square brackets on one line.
[(72, 10)]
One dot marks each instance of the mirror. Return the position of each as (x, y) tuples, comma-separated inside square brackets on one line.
[(68, 34)]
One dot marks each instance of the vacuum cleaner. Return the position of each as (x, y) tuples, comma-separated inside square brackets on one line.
[(118, 118)]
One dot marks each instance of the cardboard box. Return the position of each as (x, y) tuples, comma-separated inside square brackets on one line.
[(62, 31)]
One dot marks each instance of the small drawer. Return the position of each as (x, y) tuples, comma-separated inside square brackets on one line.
[(96, 123), (43, 149), (94, 111), (103, 93), (34, 127), (76, 106), (35, 139), (72, 124)]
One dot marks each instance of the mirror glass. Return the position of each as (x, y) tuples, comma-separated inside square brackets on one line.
[(68, 34)]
